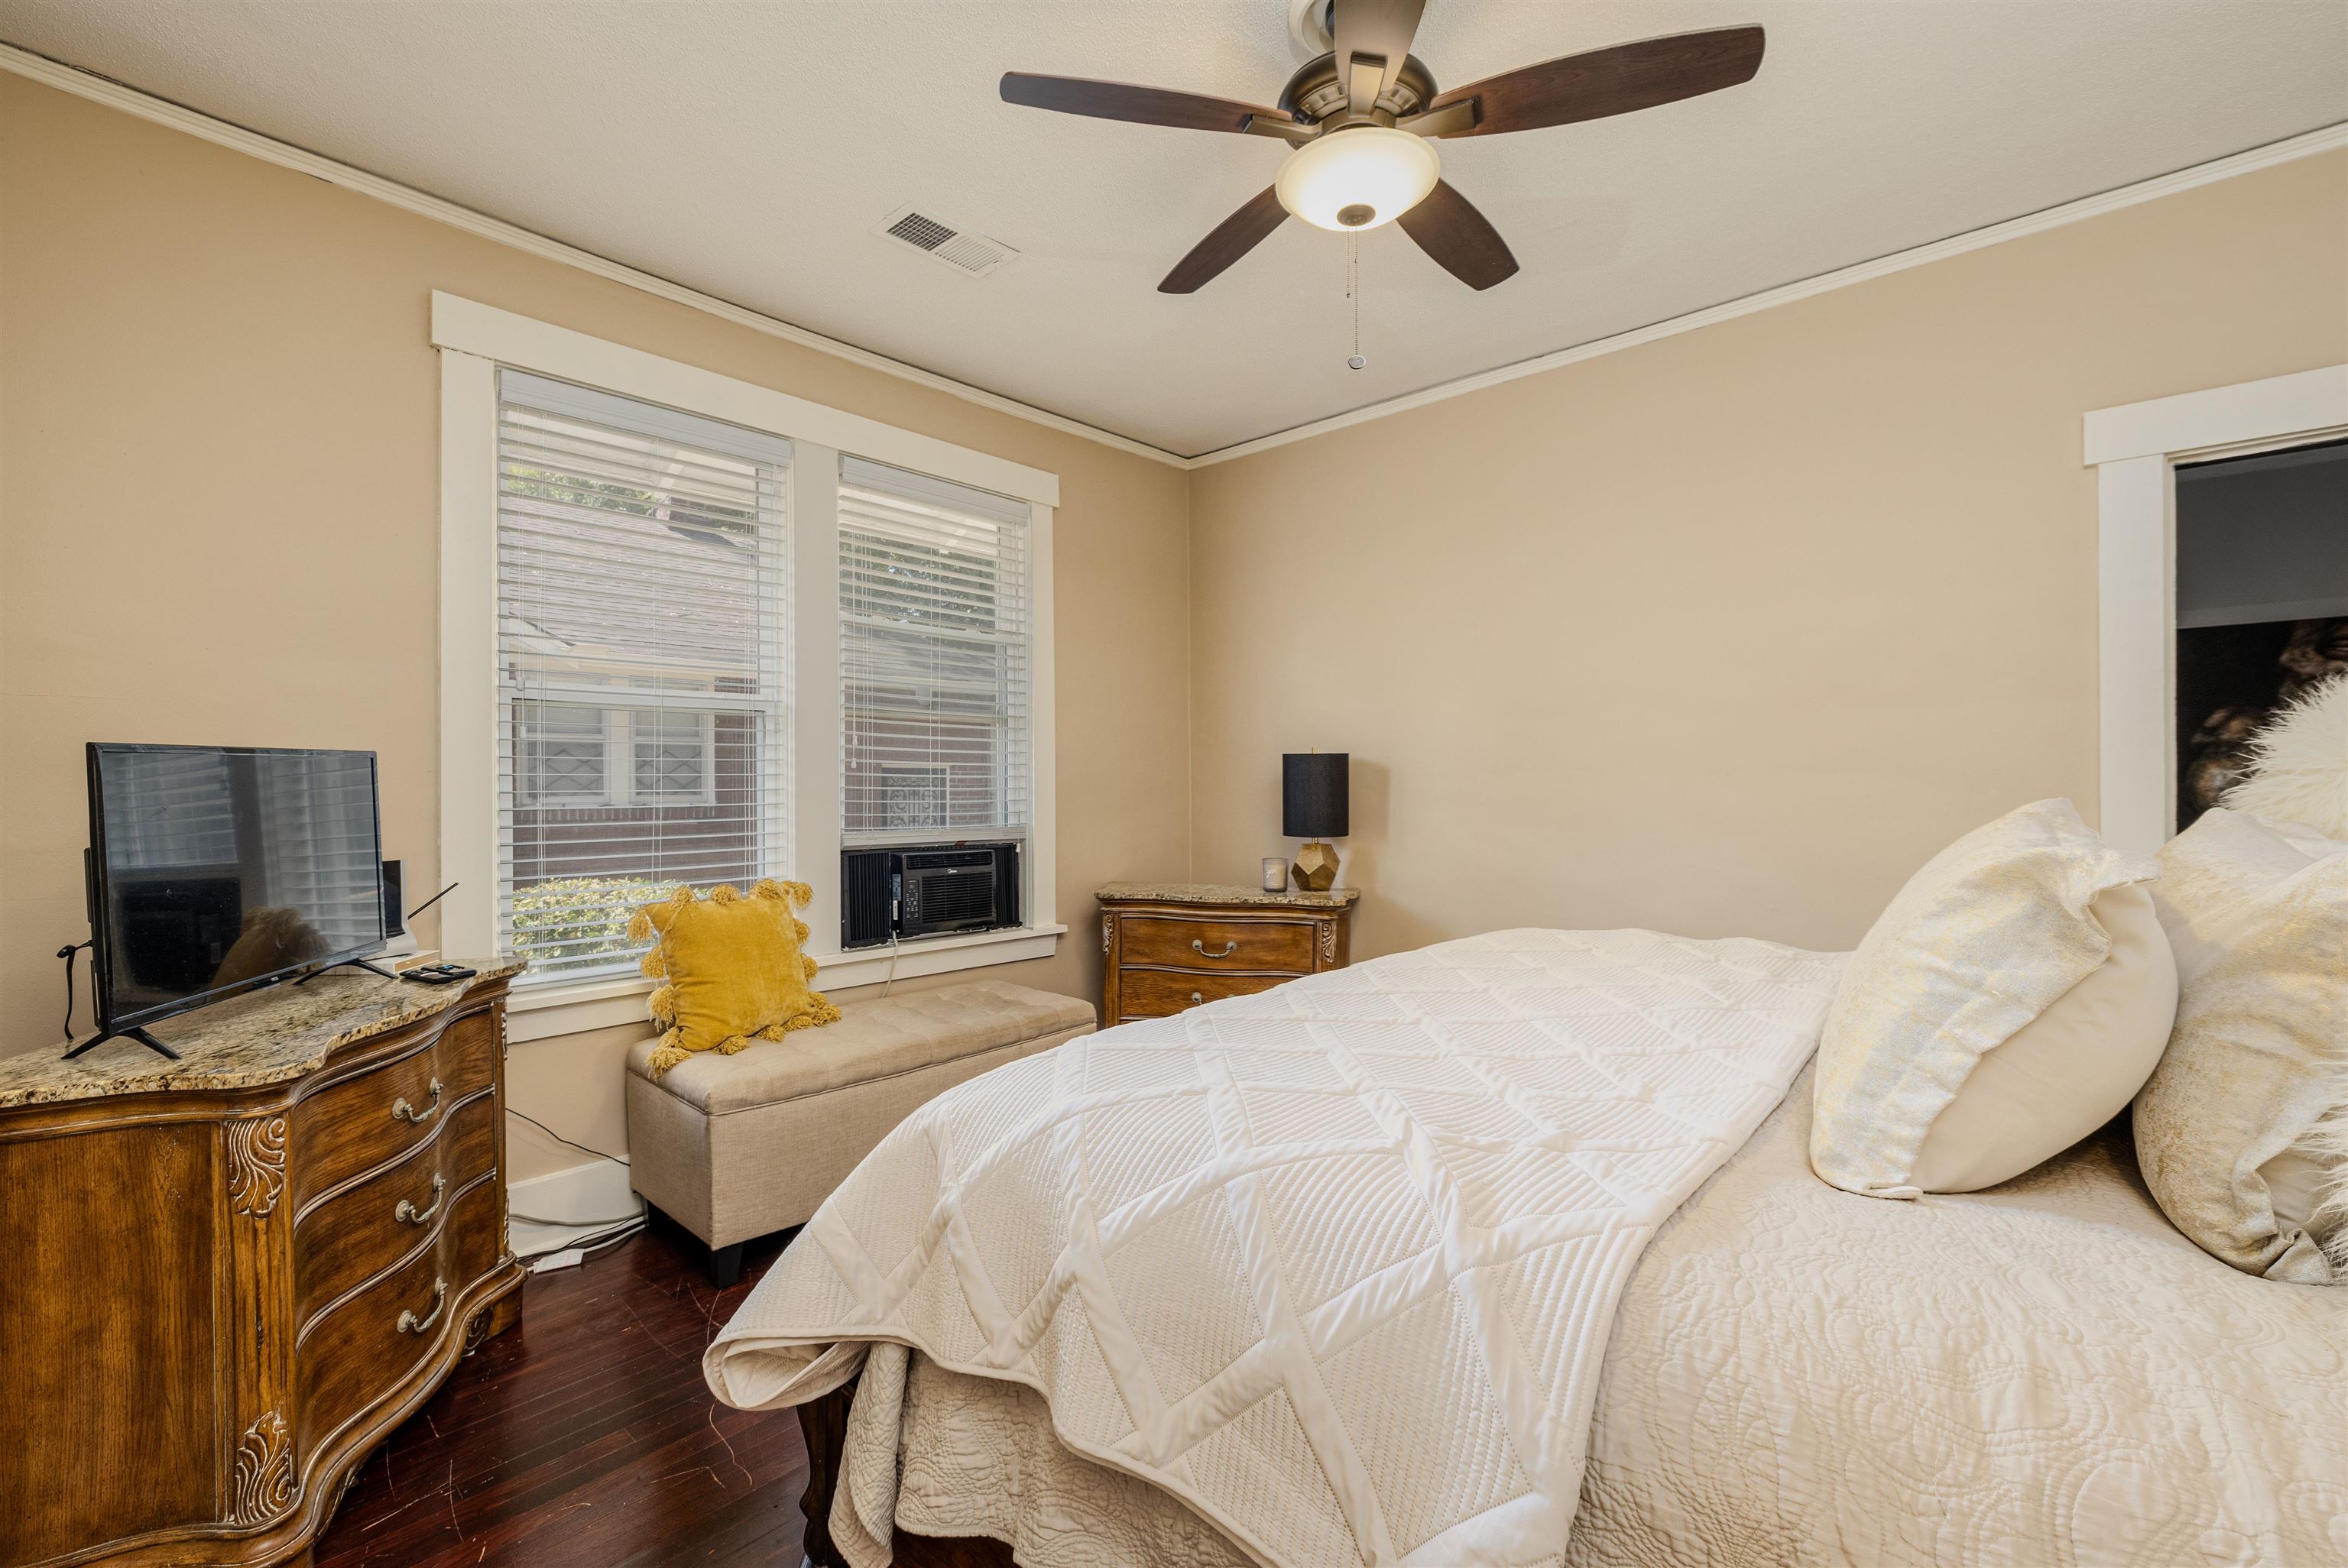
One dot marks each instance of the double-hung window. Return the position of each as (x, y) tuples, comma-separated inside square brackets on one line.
[(644, 635), (934, 654), (696, 630)]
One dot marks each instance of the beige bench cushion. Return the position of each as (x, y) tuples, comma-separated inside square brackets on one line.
[(737, 1147), (882, 1038)]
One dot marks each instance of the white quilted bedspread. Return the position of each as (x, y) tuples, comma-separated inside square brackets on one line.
[(2043, 1375), (1336, 1265), (2046, 1375)]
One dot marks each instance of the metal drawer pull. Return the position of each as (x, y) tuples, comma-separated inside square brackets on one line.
[(1196, 998), (408, 1213), (411, 1324), (1200, 948), (407, 1112)]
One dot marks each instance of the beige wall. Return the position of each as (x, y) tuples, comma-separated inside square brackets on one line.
[(219, 523), (1728, 632)]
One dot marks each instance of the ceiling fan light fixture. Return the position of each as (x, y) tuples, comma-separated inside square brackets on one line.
[(1358, 178)]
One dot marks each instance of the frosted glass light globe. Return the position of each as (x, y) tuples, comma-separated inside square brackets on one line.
[(1358, 178)]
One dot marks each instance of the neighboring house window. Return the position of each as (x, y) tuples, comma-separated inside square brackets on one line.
[(670, 755), (578, 756), (935, 631), (643, 640), (564, 754)]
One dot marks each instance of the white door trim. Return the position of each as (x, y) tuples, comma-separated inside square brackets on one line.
[(2134, 450)]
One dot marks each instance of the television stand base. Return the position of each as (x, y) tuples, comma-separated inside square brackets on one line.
[(134, 1032), (347, 964)]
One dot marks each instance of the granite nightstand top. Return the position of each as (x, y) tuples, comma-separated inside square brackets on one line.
[(263, 1037), (1224, 893)]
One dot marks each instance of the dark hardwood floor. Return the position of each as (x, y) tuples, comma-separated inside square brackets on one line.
[(587, 1436)]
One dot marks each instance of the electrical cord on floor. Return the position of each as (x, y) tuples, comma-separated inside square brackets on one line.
[(586, 1244), (559, 1138), (891, 978), (593, 1238)]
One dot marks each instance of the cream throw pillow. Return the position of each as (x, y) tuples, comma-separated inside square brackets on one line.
[(2067, 1071), (2257, 911), (1990, 935)]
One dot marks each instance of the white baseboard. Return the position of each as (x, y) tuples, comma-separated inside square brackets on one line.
[(594, 1191)]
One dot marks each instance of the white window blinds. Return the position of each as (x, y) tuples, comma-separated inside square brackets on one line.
[(934, 633), (642, 674)]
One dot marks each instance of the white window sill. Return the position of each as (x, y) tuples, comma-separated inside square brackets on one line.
[(544, 1013)]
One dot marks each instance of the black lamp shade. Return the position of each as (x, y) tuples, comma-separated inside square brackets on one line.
[(1312, 794)]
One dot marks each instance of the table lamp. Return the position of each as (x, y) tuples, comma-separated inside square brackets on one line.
[(1313, 807)]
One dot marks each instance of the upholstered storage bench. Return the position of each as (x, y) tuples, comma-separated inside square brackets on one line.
[(733, 1147)]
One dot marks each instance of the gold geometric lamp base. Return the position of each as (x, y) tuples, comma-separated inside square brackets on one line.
[(1315, 798)]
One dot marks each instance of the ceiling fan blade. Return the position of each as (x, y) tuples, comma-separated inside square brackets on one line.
[(1142, 106), (1234, 237), (1461, 239), (1380, 29), (1609, 81)]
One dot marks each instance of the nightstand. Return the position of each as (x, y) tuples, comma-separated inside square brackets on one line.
[(1171, 946)]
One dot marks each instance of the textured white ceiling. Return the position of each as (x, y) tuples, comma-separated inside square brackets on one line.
[(749, 150)]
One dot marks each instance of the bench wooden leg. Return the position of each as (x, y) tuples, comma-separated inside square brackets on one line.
[(726, 1265)]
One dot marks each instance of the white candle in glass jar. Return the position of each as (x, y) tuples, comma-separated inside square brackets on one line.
[(1275, 873)]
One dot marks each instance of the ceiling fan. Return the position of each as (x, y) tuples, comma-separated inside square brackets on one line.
[(1362, 120)]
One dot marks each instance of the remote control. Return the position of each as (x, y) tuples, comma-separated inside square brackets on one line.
[(437, 974)]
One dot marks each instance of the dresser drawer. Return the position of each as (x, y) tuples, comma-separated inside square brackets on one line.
[(368, 1346), (365, 1229), (1156, 993), (355, 1125), (1212, 944)]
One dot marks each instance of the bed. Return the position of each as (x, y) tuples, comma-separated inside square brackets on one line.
[(1732, 1363)]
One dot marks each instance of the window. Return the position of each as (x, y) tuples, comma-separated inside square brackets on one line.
[(642, 641), (674, 756), (564, 760), (698, 630), (573, 755), (934, 656)]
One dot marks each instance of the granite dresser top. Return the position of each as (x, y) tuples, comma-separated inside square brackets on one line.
[(263, 1037), (1224, 893)]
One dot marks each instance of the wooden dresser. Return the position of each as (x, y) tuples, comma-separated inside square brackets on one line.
[(223, 1279), (1174, 945)]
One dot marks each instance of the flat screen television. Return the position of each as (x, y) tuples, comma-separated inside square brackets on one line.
[(215, 869)]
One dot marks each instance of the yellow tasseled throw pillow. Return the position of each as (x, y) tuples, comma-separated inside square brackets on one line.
[(730, 969)]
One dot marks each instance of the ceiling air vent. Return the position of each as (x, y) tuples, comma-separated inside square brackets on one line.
[(971, 255)]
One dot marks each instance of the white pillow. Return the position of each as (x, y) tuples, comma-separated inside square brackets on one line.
[(1981, 943), (2247, 1095), (2068, 1070)]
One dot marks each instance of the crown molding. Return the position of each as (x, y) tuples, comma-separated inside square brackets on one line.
[(2325, 140), (221, 133), (162, 111)]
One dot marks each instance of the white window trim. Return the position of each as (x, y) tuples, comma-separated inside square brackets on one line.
[(2134, 450), (474, 340)]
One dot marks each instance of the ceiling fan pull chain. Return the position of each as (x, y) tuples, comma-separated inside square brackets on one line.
[(1354, 293)]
